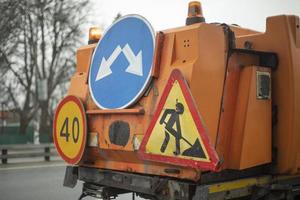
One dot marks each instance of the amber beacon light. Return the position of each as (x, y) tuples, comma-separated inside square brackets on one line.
[(194, 13), (94, 35)]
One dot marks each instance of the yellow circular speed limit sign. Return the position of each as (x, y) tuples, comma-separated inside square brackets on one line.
[(69, 129)]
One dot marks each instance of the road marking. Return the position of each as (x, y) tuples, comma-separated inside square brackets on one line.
[(32, 167)]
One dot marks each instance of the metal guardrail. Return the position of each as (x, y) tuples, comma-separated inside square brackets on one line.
[(27, 151)]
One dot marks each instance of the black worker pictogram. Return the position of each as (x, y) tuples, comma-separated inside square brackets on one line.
[(171, 121)]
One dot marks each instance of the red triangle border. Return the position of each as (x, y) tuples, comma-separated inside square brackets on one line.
[(214, 160)]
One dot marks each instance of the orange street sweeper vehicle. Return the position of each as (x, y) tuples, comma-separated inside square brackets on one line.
[(203, 111)]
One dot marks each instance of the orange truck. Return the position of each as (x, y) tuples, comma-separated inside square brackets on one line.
[(203, 111)]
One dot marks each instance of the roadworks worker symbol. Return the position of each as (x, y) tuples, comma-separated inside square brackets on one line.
[(69, 129), (176, 134)]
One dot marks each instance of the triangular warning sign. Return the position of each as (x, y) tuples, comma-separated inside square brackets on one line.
[(176, 134)]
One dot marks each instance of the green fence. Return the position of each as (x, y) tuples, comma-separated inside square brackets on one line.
[(11, 135), (46, 137)]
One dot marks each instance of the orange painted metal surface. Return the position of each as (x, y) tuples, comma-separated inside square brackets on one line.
[(223, 86), (282, 36), (238, 142), (84, 57), (250, 143), (179, 50)]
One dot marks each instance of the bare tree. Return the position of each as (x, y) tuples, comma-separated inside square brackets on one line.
[(118, 16), (44, 54), (16, 77)]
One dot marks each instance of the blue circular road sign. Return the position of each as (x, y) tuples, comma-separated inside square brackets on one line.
[(121, 65)]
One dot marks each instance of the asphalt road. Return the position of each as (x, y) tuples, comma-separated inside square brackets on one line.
[(39, 181)]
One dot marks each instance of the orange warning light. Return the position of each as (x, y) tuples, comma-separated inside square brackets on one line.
[(94, 35), (195, 9), (194, 13)]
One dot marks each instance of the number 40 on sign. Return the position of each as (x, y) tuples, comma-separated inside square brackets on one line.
[(69, 129)]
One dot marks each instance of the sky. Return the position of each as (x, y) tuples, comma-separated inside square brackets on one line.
[(165, 14)]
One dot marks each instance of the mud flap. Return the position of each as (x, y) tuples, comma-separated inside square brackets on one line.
[(71, 176)]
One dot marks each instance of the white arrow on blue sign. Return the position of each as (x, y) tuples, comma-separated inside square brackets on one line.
[(121, 66)]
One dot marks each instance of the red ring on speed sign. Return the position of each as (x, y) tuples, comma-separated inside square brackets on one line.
[(69, 129)]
